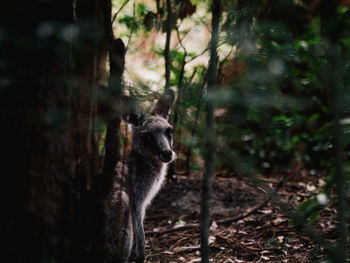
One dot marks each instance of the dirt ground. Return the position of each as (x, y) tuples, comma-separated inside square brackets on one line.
[(264, 236)]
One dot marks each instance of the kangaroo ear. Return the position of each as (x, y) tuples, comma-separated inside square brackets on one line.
[(164, 103), (133, 113)]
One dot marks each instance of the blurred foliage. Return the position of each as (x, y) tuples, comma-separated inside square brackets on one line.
[(280, 106)]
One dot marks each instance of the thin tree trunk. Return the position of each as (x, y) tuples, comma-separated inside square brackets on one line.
[(210, 126), (167, 44), (179, 91), (195, 124), (331, 30), (171, 169), (105, 181), (112, 141)]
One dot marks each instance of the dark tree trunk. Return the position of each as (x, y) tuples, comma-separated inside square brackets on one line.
[(90, 49), (52, 65), (210, 131), (97, 39), (331, 31), (35, 136)]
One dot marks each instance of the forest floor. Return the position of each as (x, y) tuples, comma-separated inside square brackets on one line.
[(265, 235)]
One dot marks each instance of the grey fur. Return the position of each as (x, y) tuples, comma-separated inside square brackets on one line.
[(152, 150)]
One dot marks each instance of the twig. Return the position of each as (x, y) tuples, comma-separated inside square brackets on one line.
[(171, 230), (200, 54), (132, 26), (193, 74), (180, 40), (221, 63), (120, 9), (253, 210)]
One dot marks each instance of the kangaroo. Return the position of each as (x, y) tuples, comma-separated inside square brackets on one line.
[(152, 151)]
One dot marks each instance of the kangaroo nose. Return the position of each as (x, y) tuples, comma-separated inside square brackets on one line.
[(166, 155)]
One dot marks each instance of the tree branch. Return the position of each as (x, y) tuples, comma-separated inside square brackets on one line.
[(119, 10)]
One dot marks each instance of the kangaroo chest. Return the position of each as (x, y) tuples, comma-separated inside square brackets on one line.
[(152, 178), (156, 185)]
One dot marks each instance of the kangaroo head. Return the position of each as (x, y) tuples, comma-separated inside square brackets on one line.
[(153, 135)]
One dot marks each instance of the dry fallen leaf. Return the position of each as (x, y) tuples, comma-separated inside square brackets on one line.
[(195, 260), (189, 248), (213, 226), (238, 260), (266, 211), (278, 221), (211, 240), (280, 239)]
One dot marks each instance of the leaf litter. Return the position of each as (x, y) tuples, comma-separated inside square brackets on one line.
[(263, 236)]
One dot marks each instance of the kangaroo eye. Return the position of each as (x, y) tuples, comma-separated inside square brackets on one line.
[(146, 135)]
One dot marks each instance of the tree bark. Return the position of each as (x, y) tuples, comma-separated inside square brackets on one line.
[(35, 136), (210, 126), (49, 107), (110, 98), (331, 30), (90, 49)]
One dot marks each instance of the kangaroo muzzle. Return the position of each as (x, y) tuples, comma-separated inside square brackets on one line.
[(165, 153), (166, 156)]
